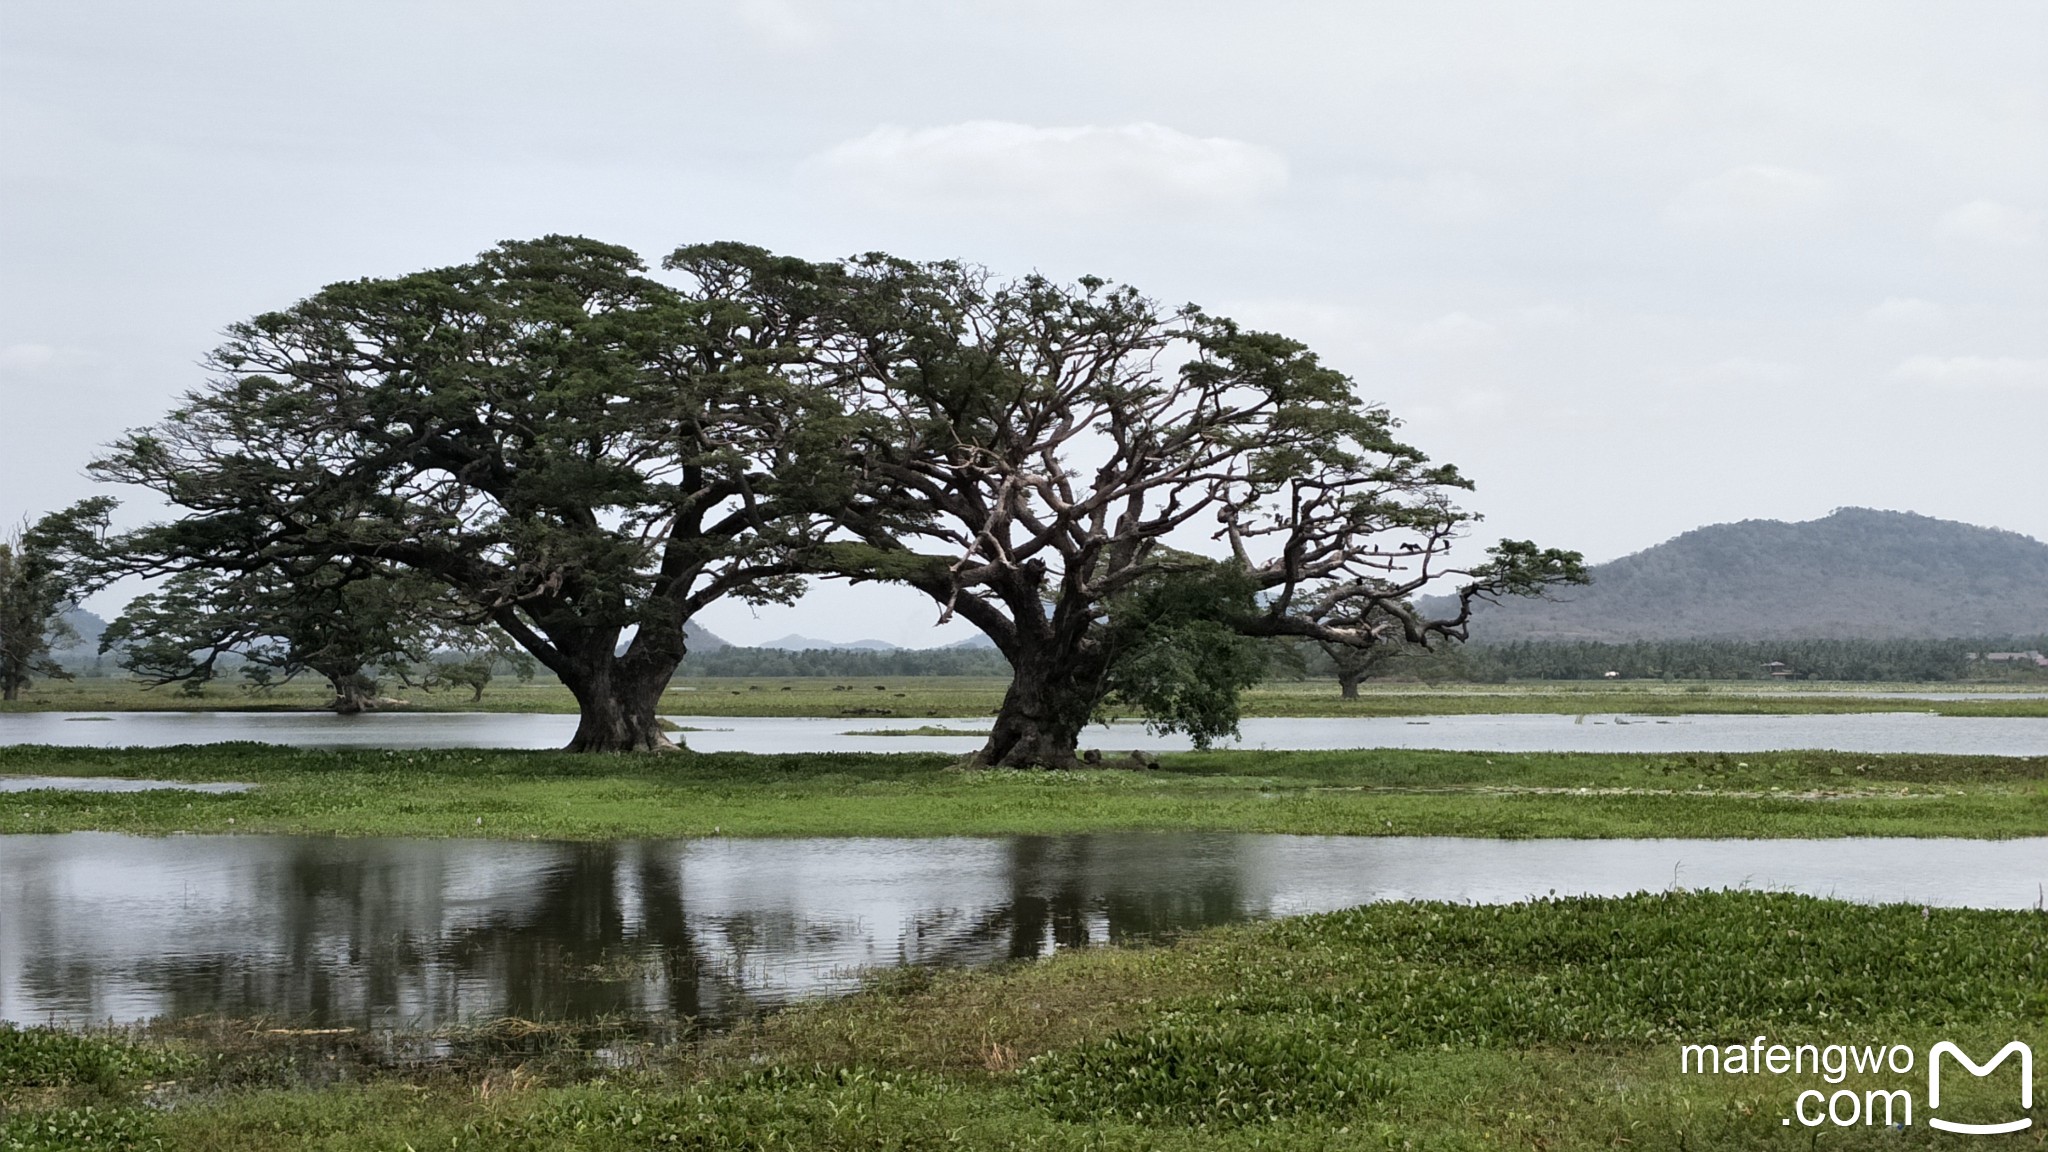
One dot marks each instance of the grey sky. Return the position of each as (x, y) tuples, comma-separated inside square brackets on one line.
[(1636, 268)]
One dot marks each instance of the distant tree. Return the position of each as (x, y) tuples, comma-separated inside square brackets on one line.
[(856, 663), (276, 624), (472, 663), (1055, 448), (584, 455), (1377, 642), (44, 569)]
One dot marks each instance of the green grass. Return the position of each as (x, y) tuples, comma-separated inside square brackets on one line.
[(1549, 1025), (922, 697), (1389, 792)]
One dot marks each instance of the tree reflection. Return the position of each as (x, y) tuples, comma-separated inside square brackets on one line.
[(408, 933), (1072, 891)]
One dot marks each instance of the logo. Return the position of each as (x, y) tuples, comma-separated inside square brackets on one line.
[(1934, 1056), (1870, 1101)]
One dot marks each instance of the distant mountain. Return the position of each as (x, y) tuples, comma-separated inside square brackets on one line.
[(1854, 573), (796, 643), (977, 641), (702, 639), (88, 626)]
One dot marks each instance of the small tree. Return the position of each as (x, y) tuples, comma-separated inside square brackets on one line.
[(583, 455), (1379, 641), (470, 662), (340, 624), (1176, 651), (1057, 448), (43, 572)]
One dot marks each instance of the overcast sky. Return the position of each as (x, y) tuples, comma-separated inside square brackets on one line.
[(1636, 268)]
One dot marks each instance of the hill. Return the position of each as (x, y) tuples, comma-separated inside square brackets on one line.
[(797, 643), (1855, 573), (702, 639), (87, 627)]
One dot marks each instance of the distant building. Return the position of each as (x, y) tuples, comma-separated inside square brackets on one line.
[(1779, 669), (2028, 657)]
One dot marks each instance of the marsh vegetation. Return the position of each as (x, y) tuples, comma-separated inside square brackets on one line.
[(1549, 1024)]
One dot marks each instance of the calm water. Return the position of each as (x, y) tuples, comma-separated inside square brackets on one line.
[(112, 784), (1859, 732), (403, 933)]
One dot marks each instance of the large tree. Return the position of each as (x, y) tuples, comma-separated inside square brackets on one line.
[(584, 456), (1059, 447), (43, 572)]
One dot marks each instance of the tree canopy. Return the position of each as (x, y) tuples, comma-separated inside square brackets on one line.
[(1122, 497), (1056, 449), (572, 450)]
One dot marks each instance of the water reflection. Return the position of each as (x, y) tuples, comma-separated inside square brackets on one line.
[(408, 933)]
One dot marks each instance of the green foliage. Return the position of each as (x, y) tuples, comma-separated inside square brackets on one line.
[(87, 1129), (1176, 652), (1043, 444), (546, 435), (1187, 1070), (1897, 660), (851, 663), (49, 1057), (44, 568)]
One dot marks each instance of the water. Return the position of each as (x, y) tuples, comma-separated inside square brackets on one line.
[(409, 933), (111, 784), (1853, 732)]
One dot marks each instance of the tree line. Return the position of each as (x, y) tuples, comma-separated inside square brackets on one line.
[(1808, 659), (556, 450), (846, 662)]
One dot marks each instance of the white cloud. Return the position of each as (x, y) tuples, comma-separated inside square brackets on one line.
[(1989, 222), (26, 356), (1975, 372), (1072, 171), (1907, 310), (1456, 330), (1751, 194)]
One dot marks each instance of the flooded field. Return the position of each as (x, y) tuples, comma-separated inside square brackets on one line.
[(1848, 732), (390, 933)]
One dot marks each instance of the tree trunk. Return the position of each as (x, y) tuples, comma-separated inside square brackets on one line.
[(1048, 704), (11, 692), (353, 693), (617, 708), (1347, 683)]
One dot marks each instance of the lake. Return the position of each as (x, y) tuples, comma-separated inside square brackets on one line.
[(396, 934), (1852, 732)]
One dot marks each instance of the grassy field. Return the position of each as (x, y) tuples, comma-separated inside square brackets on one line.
[(917, 697), (1551, 1025), (559, 796)]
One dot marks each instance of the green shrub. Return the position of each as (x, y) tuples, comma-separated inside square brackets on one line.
[(48, 1058)]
